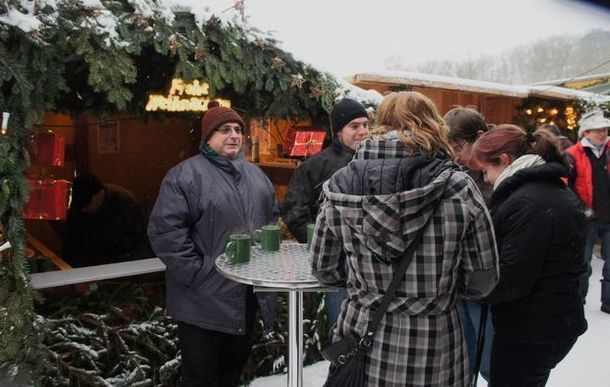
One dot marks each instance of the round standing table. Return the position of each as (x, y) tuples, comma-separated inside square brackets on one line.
[(284, 270)]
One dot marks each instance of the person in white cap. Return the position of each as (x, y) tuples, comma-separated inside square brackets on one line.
[(590, 178)]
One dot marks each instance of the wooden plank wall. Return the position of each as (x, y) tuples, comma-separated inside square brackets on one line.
[(496, 108)]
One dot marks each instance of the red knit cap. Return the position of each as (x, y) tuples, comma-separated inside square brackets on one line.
[(215, 117)]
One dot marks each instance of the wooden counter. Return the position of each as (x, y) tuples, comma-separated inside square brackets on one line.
[(51, 279)]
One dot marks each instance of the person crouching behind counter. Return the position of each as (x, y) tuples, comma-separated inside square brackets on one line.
[(202, 201), (104, 225)]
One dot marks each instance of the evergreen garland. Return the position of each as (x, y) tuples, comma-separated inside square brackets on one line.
[(30, 82), (585, 106), (113, 335), (116, 335), (532, 110)]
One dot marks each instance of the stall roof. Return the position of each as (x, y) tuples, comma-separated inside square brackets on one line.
[(460, 84), (596, 83), (565, 93), (437, 81)]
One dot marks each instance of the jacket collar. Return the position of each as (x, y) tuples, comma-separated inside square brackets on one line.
[(339, 148), (386, 147), (379, 147)]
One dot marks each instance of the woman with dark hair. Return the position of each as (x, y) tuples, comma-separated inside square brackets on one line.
[(466, 124), (564, 142), (540, 226), (402, 182)]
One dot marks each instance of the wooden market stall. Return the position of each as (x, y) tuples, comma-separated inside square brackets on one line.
[(525, 105), (134, 153)]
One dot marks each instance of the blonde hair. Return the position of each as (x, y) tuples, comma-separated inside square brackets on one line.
[(420, 127)]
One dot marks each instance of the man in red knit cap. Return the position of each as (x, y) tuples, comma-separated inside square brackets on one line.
[(202, 201)]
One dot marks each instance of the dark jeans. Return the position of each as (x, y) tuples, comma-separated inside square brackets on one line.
[(212, 358), (519, 364), (597, 229), (470, 315), (334, 300)]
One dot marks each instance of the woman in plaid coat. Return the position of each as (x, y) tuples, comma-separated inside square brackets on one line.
[(373, 208)]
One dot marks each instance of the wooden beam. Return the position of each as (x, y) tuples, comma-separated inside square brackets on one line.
[(45, 251)]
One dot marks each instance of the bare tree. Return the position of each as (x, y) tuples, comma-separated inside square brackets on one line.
[(556, 57)]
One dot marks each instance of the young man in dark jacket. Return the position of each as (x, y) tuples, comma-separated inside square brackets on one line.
[(349, 123), (202, 201), (590, 178)]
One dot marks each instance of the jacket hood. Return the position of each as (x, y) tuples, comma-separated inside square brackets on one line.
[(385, 195)]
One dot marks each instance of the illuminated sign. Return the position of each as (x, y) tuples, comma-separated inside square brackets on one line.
[(183, 97)]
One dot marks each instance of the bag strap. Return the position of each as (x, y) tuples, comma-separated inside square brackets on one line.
[(367, 340)]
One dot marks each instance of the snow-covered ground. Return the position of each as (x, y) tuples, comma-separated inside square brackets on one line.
[(584, 366)]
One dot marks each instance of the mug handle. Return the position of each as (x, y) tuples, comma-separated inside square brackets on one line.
[(230, 250), (256, 237)]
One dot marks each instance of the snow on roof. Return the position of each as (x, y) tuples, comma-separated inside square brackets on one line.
[(565, 93), (367, 97), (462, 84), (440, 82), (573, 79), (103, 19)]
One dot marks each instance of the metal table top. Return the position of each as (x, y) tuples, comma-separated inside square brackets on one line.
[(287, 268)]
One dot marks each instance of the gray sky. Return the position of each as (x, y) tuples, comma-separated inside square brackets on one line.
[(349, 36)]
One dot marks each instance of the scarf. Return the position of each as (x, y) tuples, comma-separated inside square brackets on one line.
[(598, 151), (232, 167), (525, 161)]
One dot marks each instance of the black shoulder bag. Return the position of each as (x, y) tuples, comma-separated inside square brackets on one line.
[(347, 356)]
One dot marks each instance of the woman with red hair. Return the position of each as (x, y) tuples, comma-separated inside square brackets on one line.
[(540, 230)]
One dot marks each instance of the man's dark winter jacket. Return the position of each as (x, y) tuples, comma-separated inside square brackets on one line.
[(540, 229), (301, 203), (202, 201)]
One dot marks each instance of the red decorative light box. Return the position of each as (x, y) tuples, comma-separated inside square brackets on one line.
[(48, 199), (304, 142), (49, 149)]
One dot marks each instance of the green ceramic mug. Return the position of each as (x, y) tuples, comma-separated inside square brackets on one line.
[(269, 237), (238, 248), (310, 228)]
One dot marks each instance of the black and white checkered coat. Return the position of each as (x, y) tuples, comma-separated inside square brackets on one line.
[(373, 208)]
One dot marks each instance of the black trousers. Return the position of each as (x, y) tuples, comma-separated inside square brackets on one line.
[(518, 364), (212, 358)]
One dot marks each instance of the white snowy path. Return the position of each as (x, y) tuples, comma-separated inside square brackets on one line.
[(585, 366)]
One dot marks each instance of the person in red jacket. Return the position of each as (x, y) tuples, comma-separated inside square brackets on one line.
[(590, 178)]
